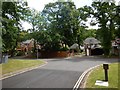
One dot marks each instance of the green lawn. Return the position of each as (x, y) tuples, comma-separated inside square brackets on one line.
[(14, 65), (98, 74)]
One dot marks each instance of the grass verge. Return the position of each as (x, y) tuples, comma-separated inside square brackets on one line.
[(98, 74), (18, 64)]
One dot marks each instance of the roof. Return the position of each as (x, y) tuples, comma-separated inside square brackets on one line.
[(74, 46), (27, 41), (91, 40)]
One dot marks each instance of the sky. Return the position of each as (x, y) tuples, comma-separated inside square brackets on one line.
[(39, 6)]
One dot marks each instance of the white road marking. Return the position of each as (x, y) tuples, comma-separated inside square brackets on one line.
[(76, 86)]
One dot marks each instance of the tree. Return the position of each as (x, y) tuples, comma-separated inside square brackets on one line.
[(117, 19), (104, 14), (11, 16), (36, 20), (83, 15), (90, 33), (62, 19), (24, 35)]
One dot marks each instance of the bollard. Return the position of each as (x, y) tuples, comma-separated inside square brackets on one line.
[(106, 67)]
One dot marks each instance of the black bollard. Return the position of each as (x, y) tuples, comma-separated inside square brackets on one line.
[(106, 67)]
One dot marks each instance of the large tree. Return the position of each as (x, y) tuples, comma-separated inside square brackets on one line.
[(62, 19), (104, 12), (117, 19), (83, 18), (12, 13)]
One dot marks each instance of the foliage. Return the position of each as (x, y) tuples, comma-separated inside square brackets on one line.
[(117, 19), (11, 16), (19, 53), (104, 12), (90, 33), (59, 23), (64, 23), (62, 19), (49, 41), (36, 20), (64, 49), (23, 35)]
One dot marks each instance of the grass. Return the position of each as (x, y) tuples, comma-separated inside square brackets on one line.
[(98, 74), (14, 65)]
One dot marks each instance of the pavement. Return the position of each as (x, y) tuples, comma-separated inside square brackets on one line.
[(58, 73)]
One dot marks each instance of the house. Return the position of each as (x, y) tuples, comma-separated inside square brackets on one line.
[(91, 44), (114, 49), (26, 46)]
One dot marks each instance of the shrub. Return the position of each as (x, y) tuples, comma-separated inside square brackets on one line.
[(19, 53), (64, 49)]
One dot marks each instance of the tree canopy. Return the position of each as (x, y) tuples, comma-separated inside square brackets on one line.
[(60, 23), (105, 14), (12, 13)]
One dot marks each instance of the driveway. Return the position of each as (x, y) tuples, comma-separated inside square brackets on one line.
[(58, 73)]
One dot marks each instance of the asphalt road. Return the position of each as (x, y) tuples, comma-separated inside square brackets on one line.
[(58, 73)]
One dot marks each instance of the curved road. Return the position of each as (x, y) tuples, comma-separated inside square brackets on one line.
[(58, 73)]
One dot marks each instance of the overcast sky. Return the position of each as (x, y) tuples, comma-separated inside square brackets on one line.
[(39, 6)]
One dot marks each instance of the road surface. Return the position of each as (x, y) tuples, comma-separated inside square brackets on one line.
[(58, 73)]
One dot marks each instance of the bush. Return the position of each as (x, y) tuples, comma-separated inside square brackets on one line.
[(19, 53), (64, 49)]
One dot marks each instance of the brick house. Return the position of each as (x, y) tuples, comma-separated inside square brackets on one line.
[(26, 46)]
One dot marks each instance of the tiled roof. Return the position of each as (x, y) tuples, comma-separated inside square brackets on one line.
[(26, 42), (91, 41)]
